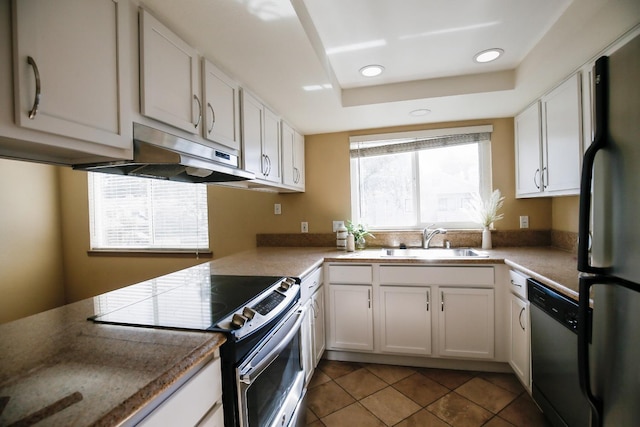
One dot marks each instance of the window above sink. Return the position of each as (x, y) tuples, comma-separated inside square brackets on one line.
[(411, 180)]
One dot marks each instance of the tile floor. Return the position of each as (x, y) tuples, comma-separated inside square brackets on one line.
[(370, 395)]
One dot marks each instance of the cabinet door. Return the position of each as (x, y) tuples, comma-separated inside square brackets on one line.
[(298, 160), (405, 320), (252, 134), (519, 345), (307, 341), (528, 155), (466, 323), (350, 317), (319, 339), (69, 69), (221, 97), (271, 146), (562, 137), (169, 87), (292, 157)]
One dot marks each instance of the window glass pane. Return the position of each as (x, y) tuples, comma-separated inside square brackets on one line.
[(141, 213), (448, 178), (387, 190)]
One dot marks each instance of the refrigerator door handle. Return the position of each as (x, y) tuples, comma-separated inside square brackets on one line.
[(586, 179), (584, 337)]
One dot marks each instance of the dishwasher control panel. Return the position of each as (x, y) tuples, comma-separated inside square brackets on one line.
[(556, 305)]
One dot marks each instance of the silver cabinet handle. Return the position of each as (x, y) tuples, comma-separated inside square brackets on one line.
[(535, 182), (268, 165), (36, 100), (515, 284), (213, 118), (265, 170), (427, 300), (199, 110), (545, 182), (441, 301), (296, 175), (520, 318), (369, 297)]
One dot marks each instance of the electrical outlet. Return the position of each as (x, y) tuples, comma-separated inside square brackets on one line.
[(524, 221), (277, 209), (304, 227), (337, 224)]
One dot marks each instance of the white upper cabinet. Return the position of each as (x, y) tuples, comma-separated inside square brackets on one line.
[(221, 98), (169, 84), (70, 76), (528, 151), (292, 157), (549, 143), (260, 139), (562, 148)]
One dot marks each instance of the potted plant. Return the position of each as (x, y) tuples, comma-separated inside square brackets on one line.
[(359, 233), (485, 212)]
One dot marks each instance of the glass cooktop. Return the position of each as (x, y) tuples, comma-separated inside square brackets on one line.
[(188, 299)]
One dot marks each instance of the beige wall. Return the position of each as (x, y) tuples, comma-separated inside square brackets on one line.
[(31, 276), (564, 213), (328, 193)]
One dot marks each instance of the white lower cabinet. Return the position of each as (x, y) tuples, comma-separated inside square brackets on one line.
[(405, 320), (198, 402), (318, 321), (350, 317), (519, 348), (466, 323), (412, 310)]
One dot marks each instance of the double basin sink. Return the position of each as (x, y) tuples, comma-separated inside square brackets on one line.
[(434, 253)]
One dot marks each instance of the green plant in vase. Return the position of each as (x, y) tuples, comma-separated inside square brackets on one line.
[(359, 232)]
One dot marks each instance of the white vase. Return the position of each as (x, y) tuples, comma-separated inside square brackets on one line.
[(486, 238)]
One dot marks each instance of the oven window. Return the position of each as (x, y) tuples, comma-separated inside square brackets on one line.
[(266, 395)]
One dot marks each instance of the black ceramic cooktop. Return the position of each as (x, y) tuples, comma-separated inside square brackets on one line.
[(180, 301)]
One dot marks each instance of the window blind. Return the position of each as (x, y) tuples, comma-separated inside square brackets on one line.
[(148, 214), (393, 146)]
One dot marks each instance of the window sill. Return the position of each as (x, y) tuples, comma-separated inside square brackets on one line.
[(168, 253)]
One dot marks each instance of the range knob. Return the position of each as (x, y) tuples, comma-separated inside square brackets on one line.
[(248, 312), (286, 284), (238, 321)]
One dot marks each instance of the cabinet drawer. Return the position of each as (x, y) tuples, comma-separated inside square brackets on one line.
[(403, 275), (310, 284), (518, 284), (356, 274), (189, 404)]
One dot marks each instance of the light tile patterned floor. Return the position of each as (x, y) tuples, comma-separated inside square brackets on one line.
[(369, 395)]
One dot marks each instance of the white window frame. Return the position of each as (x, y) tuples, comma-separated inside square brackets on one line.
[(96, 219), (485, 168)]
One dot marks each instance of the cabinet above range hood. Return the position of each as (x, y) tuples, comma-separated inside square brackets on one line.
[(157, 154)]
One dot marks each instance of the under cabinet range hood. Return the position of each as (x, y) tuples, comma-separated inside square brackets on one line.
[(161, 155)]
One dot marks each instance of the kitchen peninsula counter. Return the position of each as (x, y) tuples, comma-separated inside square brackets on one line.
[(101, 374)]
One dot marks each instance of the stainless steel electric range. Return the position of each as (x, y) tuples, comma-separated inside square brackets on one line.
[(262, 372)]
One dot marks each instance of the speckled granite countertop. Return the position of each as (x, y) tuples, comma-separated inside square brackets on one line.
[(103, 374)]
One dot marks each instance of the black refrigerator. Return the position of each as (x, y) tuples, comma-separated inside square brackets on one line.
[(609, 245)]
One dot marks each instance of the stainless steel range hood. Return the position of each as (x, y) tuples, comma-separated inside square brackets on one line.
[(161, 155)]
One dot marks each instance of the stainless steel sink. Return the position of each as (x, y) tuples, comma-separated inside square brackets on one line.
[(434, 253)]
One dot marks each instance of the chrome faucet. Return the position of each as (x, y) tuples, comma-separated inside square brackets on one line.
[(427, 235)]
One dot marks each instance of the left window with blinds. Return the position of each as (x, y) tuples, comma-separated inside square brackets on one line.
[(131, 214)]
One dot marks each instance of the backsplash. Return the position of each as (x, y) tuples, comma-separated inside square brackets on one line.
[(501, 238)]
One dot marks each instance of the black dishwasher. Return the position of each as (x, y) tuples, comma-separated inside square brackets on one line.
[(554, 357)]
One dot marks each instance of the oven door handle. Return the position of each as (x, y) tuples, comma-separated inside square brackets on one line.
[(270, 350)]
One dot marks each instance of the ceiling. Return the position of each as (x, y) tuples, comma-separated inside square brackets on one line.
[(302, 57)]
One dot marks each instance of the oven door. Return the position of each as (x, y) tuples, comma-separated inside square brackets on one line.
[(271, 379)]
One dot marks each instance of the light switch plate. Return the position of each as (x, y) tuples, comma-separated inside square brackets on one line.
[(277, 209), (337, 224), (304, 227), (524, 221)]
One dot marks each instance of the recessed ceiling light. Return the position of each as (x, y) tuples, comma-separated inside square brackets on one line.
[(420, 112), (488, 55), (371, 70)]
